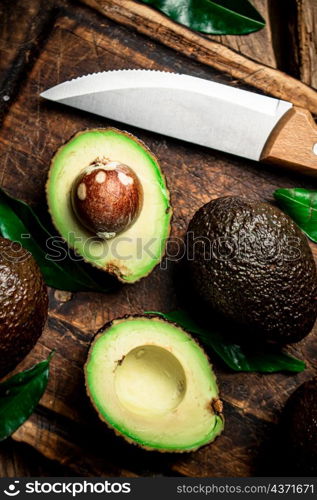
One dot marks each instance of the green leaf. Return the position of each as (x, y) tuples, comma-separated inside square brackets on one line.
[(20, 394), (18, 222), (237, 357), (215, 17), (301, 205)]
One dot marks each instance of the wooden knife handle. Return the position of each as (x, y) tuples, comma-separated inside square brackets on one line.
[(293, 142)]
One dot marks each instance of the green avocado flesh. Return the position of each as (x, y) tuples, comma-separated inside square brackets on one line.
[(152, 383), (132, 254)]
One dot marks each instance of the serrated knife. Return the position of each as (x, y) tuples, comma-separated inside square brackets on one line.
[(199, 111)]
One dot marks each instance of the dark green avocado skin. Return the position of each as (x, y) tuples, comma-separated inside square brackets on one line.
[(299, 429), (252, 264), (23, 304)]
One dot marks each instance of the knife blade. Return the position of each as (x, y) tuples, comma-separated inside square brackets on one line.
[(199, 111)]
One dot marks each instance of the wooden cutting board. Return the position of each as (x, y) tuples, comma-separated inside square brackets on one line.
[(64, 427)]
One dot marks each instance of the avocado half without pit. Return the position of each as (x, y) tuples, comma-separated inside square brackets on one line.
[(153, 384), (108, 199)]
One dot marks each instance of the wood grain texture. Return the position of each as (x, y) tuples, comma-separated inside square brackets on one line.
[(16, 32), (307, 38), (65, 427), (258, 46), (22, 27), (21, 460), (292, 142), (152, 23)]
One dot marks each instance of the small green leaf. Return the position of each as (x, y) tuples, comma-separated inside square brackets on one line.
[(237, 357), (301, 205), (216, 17), (18, 222), (20, 394)]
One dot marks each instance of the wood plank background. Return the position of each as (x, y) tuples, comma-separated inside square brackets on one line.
[(47, 42)]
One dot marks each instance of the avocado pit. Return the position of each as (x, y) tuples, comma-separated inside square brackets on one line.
[(107, 198)]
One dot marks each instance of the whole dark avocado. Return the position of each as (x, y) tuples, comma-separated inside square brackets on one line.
[(23, 304), (299, 429), (252, 264)]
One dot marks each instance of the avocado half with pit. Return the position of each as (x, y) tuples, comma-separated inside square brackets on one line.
[(152, 383), (108, 199)]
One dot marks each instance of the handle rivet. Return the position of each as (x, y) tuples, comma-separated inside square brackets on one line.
[(315, 149)]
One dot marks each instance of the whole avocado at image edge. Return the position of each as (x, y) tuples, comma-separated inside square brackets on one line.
[(299, 430), (108, 197), (23, 304), (250, 263)]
